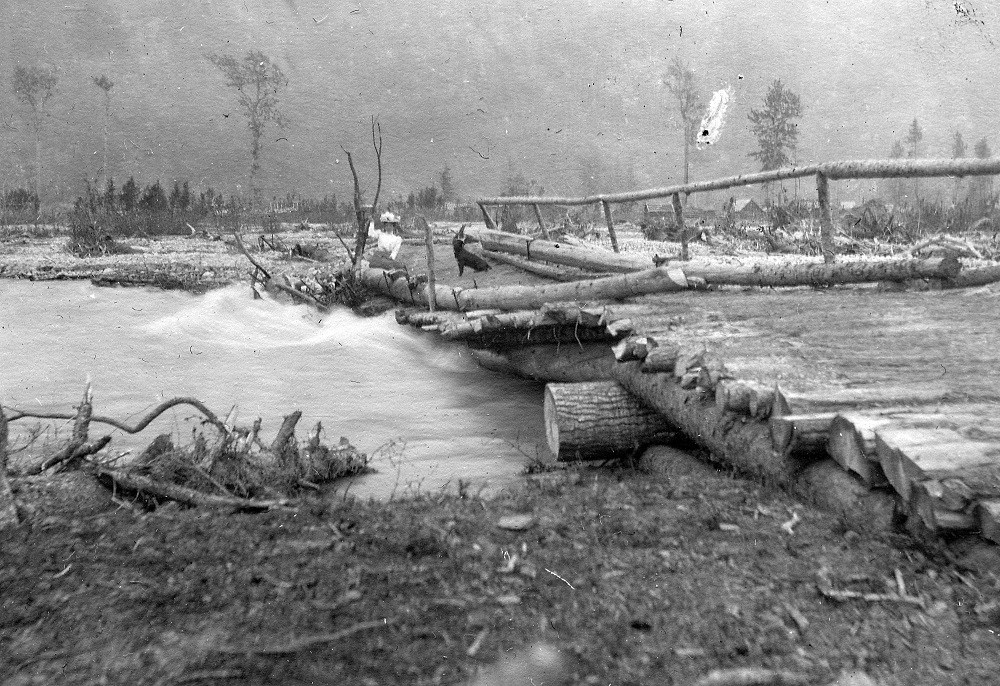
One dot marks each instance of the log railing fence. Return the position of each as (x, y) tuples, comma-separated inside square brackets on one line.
[(823, 172)]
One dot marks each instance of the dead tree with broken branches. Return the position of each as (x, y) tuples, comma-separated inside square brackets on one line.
[(359, 212)]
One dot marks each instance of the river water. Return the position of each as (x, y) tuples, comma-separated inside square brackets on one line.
[(371, 380)]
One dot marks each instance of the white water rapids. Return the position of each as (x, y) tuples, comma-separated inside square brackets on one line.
[(370, 380)]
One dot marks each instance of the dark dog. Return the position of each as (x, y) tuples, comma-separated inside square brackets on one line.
[(464, 257)]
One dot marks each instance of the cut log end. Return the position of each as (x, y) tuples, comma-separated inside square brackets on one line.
[(598, 420)]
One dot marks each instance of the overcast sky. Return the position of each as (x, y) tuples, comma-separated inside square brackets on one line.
[(490, 89)]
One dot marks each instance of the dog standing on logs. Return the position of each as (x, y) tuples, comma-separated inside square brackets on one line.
[(464, 257)]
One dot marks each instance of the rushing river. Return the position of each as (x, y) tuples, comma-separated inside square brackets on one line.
[(370, 380)]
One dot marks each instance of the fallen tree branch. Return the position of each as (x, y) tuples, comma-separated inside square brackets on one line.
[(66, 456), (300, 643), (239, 244), (143, 423), (143, 484)]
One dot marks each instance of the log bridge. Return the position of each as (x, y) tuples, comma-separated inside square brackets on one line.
[(877, 404)]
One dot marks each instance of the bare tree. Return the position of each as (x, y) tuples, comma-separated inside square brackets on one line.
[(34, 86), (361, 237), (258, 82), (105, 84), (680, 81)]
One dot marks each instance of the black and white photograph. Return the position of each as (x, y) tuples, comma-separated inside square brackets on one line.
[(544, 342)]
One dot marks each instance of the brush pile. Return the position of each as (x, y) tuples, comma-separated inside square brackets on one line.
[(226, 466)]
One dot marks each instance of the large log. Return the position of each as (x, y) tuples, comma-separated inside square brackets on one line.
[(396, 285), (775, 273), (657, 280), (975, 276), (598, 420), (561, 252), (547, 270)]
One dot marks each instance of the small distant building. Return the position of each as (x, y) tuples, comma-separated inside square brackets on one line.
[(747, 211)]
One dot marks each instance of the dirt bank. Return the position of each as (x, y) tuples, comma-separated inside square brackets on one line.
[(634, 577)]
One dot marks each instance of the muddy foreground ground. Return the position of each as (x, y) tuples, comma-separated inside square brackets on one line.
[(635, 574)]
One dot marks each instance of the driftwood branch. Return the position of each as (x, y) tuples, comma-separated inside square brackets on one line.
[(72, 453), (143, 423), (131, 481), (77, 447), (255, 263)]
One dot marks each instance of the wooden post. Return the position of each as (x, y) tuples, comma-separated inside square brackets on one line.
[(431, 299), (611, 224), (825, 218), (538, 216), (490, 224), (675, 200)]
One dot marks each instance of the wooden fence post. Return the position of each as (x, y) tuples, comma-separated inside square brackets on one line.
[(611, 224), (675, 200), (538, 216), (825, 217), (487, 218), (431, 293)]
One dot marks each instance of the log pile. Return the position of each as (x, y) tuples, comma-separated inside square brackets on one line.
[(867, 465), (670, 278), (494, 328), (770, 273)]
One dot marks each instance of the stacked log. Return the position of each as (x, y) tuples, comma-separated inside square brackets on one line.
[(852, 446), (804, 435)]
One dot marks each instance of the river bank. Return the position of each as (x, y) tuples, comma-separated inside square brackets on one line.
[(658, 572)]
